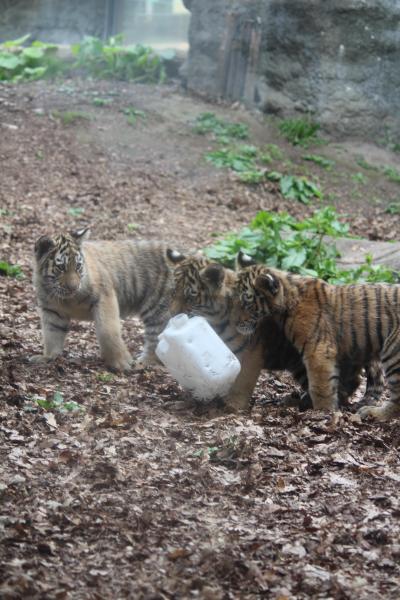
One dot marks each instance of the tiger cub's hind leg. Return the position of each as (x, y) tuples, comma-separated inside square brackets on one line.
[(323, 378), (375, 383), (153, 326), (391, 365)]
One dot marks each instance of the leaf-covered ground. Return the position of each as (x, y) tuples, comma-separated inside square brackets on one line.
[(137, 495)]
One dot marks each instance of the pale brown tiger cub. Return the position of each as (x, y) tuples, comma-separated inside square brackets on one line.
[(101, 281)]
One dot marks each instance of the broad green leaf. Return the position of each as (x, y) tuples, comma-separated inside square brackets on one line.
[(34, 53), (9, 61)]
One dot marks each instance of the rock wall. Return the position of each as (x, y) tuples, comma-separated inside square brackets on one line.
[(337, 60), (58, 21)]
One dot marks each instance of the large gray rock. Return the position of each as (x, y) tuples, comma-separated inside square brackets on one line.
[(337, 59)]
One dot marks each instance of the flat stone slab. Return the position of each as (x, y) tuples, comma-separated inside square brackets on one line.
[(354, 251)]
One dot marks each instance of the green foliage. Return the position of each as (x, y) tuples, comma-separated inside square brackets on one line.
[(367, 272), (18, 63), (222, 130), (105, 377), (133, 114), (10, 270), (280, 241), (111, 60), (393, 208), (392, 174), (133, 226), (299, 132), (273, 151), (299, 188), (243, 159), (57, 403), (359, 178), (321, 161), (70, 117), (101, 101), (366, 165), (75, 211), (240, 159), (248, 161)]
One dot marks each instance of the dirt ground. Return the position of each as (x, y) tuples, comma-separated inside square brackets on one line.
[(136, 495)]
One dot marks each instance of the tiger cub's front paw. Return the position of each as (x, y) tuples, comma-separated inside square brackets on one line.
[(120, 363)]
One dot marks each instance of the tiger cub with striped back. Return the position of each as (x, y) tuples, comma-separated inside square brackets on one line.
[(101, 281), (330, 326), (206, 289)]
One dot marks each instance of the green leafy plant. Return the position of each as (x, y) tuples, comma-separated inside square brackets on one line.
[(239, 159), (299, 131), (57, 403), (280, 241), (359, 178), (133, 114), (223, 131), (361, 162), (70, 117), (27, 63), (101, 101), (10, 270), (321, 161), (273, 151), (133, 226), (75, 211), (253, 176), (105, 377), (393, 208), (112, 60), (366, 272), (299, 188), (392, 174)]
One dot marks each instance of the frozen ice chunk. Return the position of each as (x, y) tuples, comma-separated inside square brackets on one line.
[(197, 357)]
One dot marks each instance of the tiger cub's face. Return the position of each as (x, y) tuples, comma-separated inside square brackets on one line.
[(199, 288), (60, 263), (248, 302)]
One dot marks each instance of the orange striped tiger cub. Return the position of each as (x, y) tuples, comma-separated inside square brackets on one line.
[(206, 289), (101, 281), (330, 326)]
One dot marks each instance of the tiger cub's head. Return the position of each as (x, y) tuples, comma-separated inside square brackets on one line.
[(201, 288), (60, 263), (257, 294)]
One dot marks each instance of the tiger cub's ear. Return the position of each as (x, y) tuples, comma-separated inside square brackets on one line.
[(174, 256), (213, 275), (43, 246), (267, 283), (80, 235), (243, 260)]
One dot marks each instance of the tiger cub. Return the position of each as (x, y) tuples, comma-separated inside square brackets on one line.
[(330, 326), (101, 281), (205, 288)]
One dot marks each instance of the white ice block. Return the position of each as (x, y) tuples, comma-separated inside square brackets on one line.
[(197, 357)]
